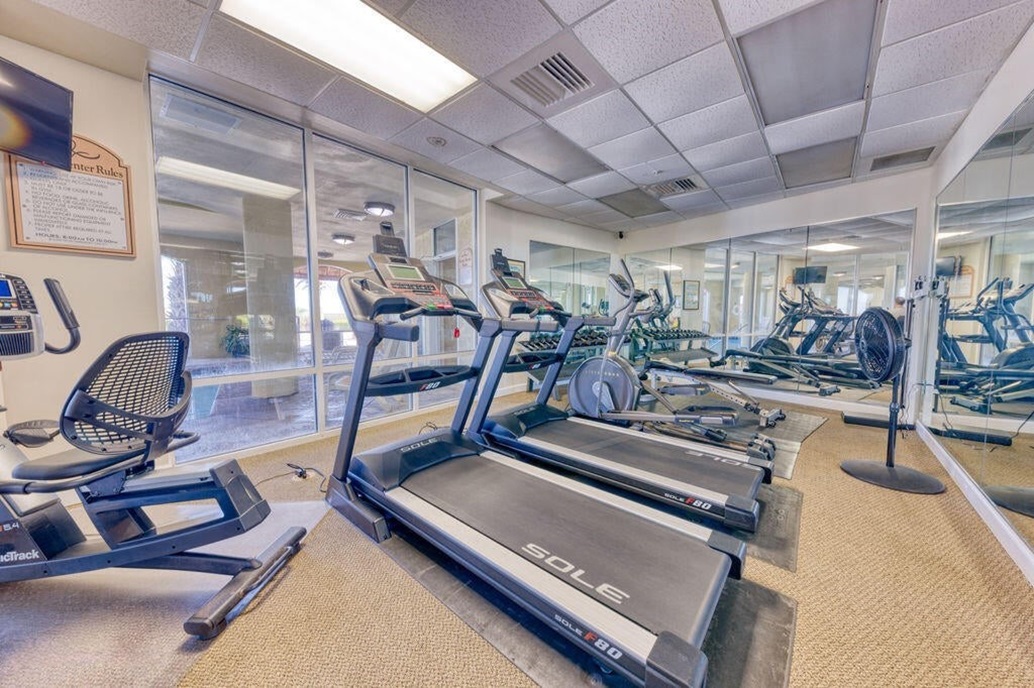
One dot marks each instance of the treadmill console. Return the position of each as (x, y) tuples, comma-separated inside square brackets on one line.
[(21, 328), (408, 277), (517, 288)]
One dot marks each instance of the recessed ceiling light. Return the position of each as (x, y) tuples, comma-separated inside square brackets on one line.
[(949, 235), (360, 41), (714, 266), (343, 239), (379, 208), (669, 268), (831, 247), (203, 174)]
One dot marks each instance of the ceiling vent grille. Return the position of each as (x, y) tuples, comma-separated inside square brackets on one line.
[(346, 214), (899, 159), (552, 80), (673, 187)]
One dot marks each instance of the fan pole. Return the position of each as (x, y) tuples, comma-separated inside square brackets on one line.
[(888, 475)]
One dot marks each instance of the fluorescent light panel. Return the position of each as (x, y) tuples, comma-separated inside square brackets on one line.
[(831, 247), (669, 268), (949, 235), (359, 41), (192, 171)]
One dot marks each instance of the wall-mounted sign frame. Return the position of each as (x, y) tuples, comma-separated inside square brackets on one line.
[(87, 210), (691, 295)]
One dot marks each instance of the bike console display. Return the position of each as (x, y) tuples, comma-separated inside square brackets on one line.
[(21, 329)]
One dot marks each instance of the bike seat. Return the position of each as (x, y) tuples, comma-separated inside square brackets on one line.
[(69, 464)]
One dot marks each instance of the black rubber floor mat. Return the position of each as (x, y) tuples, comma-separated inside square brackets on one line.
[(749, 641), (779, 527)]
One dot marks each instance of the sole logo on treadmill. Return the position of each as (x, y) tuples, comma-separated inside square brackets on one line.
[(590, 637), (562, 566), (417, 445), (689, 501)]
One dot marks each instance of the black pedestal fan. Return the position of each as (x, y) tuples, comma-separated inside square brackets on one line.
[(882, 352)]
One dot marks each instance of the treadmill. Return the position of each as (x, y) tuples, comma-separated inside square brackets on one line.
[(632, 586), (701, 480)]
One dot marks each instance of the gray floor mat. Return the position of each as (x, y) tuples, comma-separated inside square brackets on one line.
[(749, 642)]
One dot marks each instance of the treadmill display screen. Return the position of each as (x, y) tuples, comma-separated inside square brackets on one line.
[(5, 289), (405, 272), (513, 283)]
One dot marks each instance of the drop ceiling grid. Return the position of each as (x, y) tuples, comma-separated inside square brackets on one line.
[(651, 49)]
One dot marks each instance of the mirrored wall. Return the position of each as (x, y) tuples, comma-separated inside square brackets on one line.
[(983, 400), (779, 305), (575, 277)]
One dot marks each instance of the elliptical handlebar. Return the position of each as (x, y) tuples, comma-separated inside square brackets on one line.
[(64, 309)]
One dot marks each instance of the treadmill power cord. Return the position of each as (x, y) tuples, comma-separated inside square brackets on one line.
[(301, 472)]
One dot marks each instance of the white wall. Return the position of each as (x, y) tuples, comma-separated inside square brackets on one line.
[(111, 296)]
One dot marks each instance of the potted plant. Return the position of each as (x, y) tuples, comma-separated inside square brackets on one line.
[(236, 341)]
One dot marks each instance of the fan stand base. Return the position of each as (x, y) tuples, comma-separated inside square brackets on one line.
[(893, 477)]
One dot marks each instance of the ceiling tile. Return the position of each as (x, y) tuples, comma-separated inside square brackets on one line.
[(558, 196), (357, 106), (722, 153), (665, 217), (486, 164), (714, 123), (415, 138), (605, 216), (634, 203), (527, 206), (168, 26), (600, 119), (623, 225), (820, 127), (629, 150), (740, 172), (585, 207), (392, 7), (929, 100), (527, 182), (755, 200), (660, 170), (749, 189), (546, 150), (602, 184), (909, 18), (741, 16), (483, 36), (571, 11), (251, 59), (690, 201), (822, 163), (705, 78), (634, 37), (812, 60), (906, 137), (950, 51), (484, 114)]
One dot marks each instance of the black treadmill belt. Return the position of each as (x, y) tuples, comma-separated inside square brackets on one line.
[(673, 581), (662, 459)]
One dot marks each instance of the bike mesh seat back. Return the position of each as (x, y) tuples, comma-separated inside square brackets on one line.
[(132, 399)]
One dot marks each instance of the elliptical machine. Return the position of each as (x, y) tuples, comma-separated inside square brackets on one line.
[(122, 415), (608, 388)]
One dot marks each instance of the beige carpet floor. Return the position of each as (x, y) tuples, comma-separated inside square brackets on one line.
[(892, 590)]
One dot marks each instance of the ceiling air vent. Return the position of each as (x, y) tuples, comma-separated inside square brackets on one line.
[(552, 80), (899, 159), (673, 187), (554, 76), (346, 214)]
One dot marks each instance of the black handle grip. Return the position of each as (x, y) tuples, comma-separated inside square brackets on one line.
[(64, 309)]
